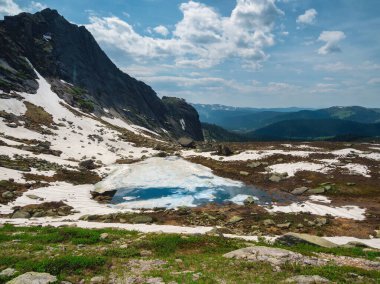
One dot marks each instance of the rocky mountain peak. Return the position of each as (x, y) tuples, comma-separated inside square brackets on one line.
[(60, 50)]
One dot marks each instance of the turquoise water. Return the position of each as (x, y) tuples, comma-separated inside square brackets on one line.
[(199, 196)]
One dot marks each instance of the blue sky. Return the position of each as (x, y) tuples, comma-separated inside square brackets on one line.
[(259, 53)]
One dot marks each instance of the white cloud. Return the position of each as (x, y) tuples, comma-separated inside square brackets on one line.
[(308, 17), (36, 6), (374, 81), (8, 7), (331, 39), (162, 30), (333, 67), (203, 38)]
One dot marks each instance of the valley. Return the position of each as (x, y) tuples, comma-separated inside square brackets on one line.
[(103, 181)]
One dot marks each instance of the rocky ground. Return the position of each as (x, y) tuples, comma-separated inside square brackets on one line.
[(74, 255)]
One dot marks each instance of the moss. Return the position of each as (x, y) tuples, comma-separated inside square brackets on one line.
[(36, 117)]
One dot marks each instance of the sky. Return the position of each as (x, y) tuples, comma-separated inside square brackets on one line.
[(256, 53)]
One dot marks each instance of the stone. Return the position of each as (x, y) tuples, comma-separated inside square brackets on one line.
[(141, 219), (235, 219), (223, 150), (307, 279), (269, 222), (284, 226), (249, 200), (321, 221), (104, 236), (88, 164), (97, 280), (33, 277), (317, 190), (7, 195), (21, 215), (299, 190), (32, 196), (243, 173), (254, 165), (186, 142), (8, 272), (275, 256), (291, 239), (377, 233), (275, 178)]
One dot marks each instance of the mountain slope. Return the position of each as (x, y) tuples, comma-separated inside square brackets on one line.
[(212, 132), (315, 129), (59, 51)]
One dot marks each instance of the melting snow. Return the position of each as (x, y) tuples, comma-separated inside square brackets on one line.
[(292, 168)]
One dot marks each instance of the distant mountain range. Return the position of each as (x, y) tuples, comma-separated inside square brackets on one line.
[(335, 123)]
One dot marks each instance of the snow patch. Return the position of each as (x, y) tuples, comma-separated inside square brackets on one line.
[(183, 124), (292, 168)]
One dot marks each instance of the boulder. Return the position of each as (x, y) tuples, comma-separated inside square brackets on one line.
[(307, 279), (284, 225), (274, 256), (97, 280), (21, 215), (317, 190), (269, 222), (7, 194), (223, 150), (186, 142), (243, 173), (275, 178), (249, 200), (235, 219), (33, 277), (377, 233), (291, 239), (299, 190), (8, 272), (103, 236), (141, 219)]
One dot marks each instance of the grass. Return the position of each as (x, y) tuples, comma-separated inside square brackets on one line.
[(190, 259), (36, 115)]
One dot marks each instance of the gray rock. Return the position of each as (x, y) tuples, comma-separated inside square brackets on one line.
[(21, 215), (274, 256), (254, 165), (141, 219), (249, 200), (275, 178), (186, 142), (269, 222), (317, 190), (377, 233), (103, 236), (299, 190), (97, 280), (284, 226), (33, 278), (223, 150), (243, 173), (291, 239), (235, 219), (307, 279), (7, 195), (8, 272), (32, 196)]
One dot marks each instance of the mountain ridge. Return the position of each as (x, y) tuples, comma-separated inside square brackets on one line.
[(62, 51)]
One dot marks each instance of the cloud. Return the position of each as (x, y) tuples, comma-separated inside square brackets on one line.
[(333, 67), (162, 30), (8, 7), (202, 38), (331, 39), (36, 6), (308, 17), (374, 81)]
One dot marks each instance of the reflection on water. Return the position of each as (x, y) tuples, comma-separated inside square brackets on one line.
[(173, 197)]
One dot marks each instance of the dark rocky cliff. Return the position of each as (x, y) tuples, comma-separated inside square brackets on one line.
[(61, 50)]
